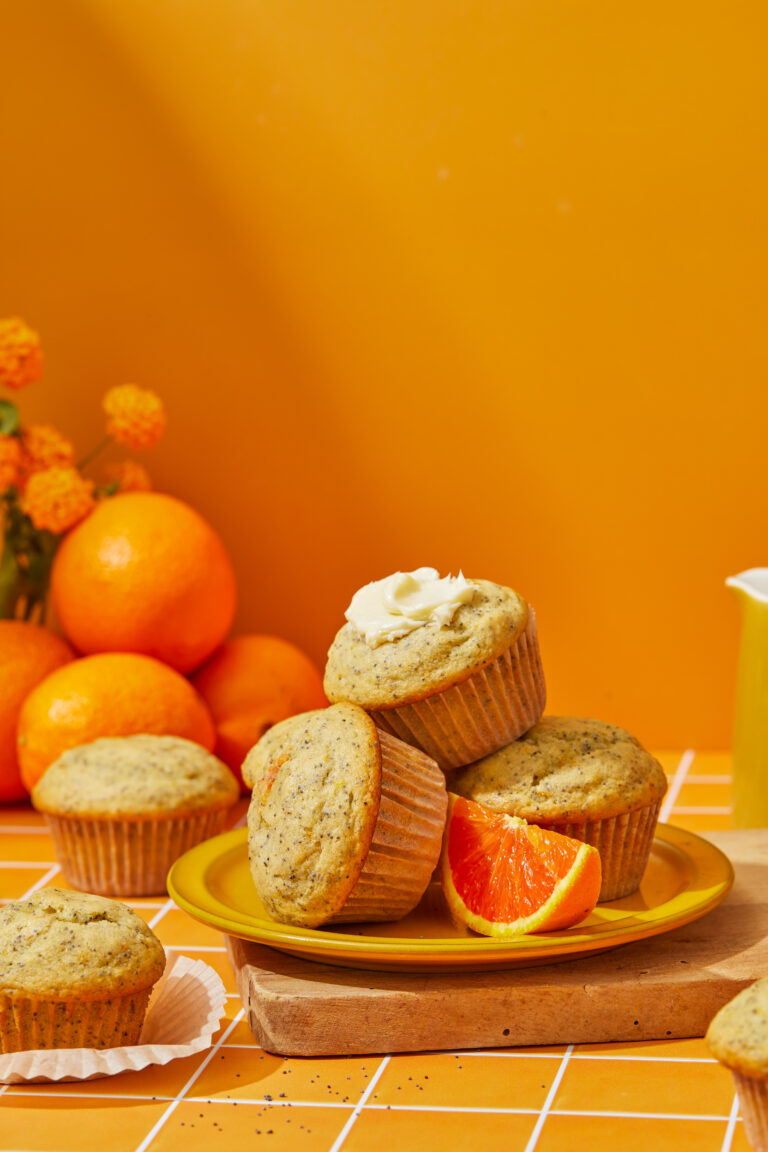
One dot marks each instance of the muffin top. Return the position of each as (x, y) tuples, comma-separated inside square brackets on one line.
[(57, 943), (738, 1035), (135, 776), (429, 658), (316, 782), (565, 770)]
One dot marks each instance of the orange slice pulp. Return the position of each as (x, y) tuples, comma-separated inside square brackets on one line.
[(504, 877)]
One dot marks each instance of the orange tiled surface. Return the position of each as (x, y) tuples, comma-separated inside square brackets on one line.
[(666, 1095)]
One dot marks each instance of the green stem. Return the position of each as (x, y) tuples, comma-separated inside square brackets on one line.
[(9, 583), (93, 453)]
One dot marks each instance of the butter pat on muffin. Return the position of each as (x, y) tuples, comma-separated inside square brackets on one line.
[(582, 778), (76, 971), (449, 665), (345, 822), (738, 1038), (122, 809)]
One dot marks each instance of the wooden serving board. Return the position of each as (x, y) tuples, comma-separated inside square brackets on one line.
[(667, 986)]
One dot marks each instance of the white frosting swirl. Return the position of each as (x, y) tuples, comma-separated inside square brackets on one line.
[(390, 608)]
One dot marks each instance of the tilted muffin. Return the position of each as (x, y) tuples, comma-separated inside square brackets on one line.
[(738, 1038), (122, 809), (76, 971), (345, 822), (583, 778), (449, 665)]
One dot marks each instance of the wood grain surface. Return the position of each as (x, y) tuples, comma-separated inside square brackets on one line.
[(667, 986)]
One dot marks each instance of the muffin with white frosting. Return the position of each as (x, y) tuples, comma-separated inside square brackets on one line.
[(122, 809), (345, 822), (76, 971), (449, 665)]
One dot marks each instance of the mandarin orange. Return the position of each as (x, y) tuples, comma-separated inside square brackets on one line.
[(249, 684), (28, 654), (504, 877), (110, 694), (145, 573)]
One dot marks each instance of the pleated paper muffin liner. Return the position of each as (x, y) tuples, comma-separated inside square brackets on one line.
[(483, 713), (753, 1104), (624, 843), (127, 857), (35, 1022), (407, 837), (185, 1008)]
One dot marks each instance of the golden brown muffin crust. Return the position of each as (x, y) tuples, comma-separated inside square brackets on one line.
[(738, 1034), (316, 782), (57, 943), (139, 777), (430, 658), (565, 769)]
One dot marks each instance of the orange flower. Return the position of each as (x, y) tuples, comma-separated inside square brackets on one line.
[(135, 416), (57, 499), (10, 460), (21, 361), (44, 447), (130, 476)]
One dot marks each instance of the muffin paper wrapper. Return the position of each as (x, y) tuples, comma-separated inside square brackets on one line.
[(127, 857), (624, 843), (407, 837), (488, 710), (753, 1103), (185, 1008)]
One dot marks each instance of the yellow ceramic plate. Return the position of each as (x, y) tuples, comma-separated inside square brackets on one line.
[(686, 877)]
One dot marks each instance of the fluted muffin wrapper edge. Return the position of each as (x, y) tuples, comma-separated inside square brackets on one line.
[(753, 1104), (407, 837), (624, 843), (127, 857), (471, 719), (185, 1009)]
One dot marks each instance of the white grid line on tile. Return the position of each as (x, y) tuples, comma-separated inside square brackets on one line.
[(728, 1138), (525, 1055), (197, 948), (678, 779), (547, 1105), (182, 1093), (723, 780), (24, 829), (702, 810), (25, 863), (164, 908), (359, 1106), (450, 1109), (43, 880)]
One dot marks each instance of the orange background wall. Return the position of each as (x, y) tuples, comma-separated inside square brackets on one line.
[(473, 284)]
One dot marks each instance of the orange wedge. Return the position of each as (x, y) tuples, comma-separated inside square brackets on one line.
[(504, 877)]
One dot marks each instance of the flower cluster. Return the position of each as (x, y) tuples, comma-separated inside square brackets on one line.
[(43, 489)]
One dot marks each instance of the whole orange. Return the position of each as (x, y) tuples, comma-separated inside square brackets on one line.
[(145, 573), (250, 684), (27, 655), (111, 694)]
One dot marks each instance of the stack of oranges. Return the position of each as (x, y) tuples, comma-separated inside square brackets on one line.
[(145, 595), (143, 590)]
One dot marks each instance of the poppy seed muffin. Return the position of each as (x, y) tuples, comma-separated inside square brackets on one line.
[(76, 971), (582, 778), (345, 822), (460, 678), (122, 809), (738, 1038)]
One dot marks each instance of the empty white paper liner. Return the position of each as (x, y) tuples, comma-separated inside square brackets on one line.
[(184, 1012)]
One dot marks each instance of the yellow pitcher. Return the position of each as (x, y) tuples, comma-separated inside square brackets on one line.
[(750, 735)]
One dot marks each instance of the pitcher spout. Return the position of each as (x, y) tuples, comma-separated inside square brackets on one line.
[(752, 583)]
